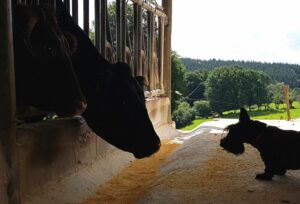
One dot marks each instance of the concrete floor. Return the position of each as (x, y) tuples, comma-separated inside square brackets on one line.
[(199, 171)]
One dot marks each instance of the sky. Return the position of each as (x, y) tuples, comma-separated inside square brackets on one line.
[(252, 30)]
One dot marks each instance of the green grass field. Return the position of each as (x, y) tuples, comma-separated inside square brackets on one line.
[(272, 114)]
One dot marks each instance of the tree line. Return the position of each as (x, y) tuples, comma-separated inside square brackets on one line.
[(228, 86), (278, 72)]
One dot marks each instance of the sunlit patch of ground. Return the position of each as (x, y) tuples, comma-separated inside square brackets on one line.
[(198, 171), (134, 181), (221, 178)]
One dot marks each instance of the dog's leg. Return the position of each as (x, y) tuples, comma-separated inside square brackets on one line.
[(269, 171), (280, 172), (264, 176)]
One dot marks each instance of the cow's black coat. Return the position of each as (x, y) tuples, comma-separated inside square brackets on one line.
[(43, 70), (116, 104)]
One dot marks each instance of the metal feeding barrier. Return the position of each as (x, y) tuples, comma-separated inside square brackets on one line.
[(135, 36)]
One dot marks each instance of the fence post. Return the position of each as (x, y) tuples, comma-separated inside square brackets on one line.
[(287, 102), (167, 5), (9, 182)]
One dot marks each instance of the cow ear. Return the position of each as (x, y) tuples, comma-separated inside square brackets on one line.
[(122, 70), (71, 42), (244, 117), (141, 81)]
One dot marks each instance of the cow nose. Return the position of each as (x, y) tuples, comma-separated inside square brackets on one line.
[(80, 108)]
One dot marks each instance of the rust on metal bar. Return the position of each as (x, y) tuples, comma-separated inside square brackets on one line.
[(137, 39), (121, 35), (161, 51), (150, 37), (151, 8)]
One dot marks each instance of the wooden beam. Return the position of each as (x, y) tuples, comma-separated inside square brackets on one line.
[(9, 180)]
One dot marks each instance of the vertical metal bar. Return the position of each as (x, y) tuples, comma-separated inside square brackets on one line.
[(86, 17), (161, 51), (75, 10), (103, 28), (67, 4), (100, 26), (9, 180), (167, 5), (137, 39), (121, 34), (150, 40)]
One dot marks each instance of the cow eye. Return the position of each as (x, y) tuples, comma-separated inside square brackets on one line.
[(49, 51)]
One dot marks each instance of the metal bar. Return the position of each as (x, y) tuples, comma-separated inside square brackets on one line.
[(121, 34), (137, 40), (100, 26), (8, 160), (75, 10), (67, 4), (161, 52), (167, 5), (150, 38), (150, 8), (103, 28), (86, 14)]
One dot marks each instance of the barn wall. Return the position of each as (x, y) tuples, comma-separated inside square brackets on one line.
[(51, 152)]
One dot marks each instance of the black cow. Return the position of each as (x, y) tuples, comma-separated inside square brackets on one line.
[(116, 104), (44, 74)]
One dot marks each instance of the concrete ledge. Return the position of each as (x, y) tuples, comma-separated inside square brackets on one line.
[(63, 161)]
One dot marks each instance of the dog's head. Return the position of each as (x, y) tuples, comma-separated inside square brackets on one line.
[(237, 134)]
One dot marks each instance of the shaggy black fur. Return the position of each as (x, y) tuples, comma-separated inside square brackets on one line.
[(279, 149)]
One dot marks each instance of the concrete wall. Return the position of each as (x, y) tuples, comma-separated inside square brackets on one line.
[(66, 155)]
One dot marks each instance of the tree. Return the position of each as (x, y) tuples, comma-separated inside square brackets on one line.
[(195, 85), (222, 88), (276, 93), (183, 115), (294, 95), (178, 82), (232, 87), (202, 108)]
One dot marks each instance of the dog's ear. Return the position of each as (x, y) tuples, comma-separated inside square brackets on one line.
[(244, 117)]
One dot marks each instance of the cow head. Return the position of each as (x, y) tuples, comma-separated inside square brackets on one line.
[(43, 70), (120, 115)]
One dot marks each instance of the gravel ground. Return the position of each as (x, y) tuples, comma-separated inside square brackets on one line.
[(197, 170)]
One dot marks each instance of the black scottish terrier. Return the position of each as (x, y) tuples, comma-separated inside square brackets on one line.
[(279, 149)]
